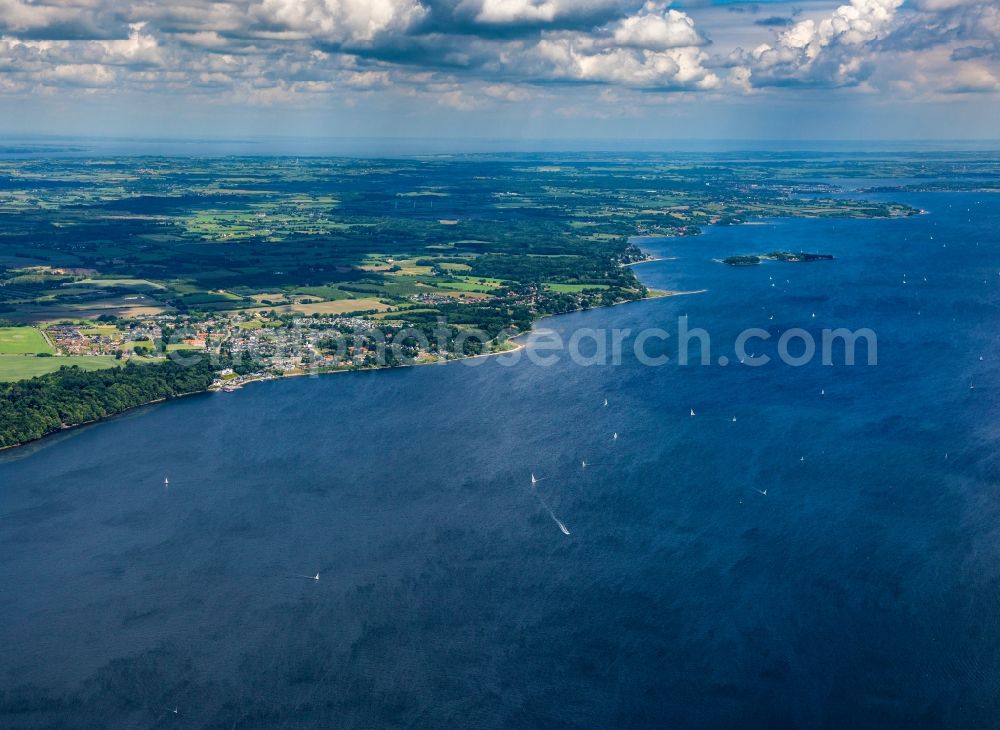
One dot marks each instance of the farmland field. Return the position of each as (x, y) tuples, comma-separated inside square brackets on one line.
[(22, 340), (196, 238), (574, 288), (341, 306), (19, 367)]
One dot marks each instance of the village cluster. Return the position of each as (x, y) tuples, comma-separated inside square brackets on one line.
[(268, 343)]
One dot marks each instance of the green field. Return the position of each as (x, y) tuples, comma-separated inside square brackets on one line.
[(104, 330), (22, 340), (574, 288), (148, 344), (19, 367), (469, 284)]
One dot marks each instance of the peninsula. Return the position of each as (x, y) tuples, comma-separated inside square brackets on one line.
[(126, 281)]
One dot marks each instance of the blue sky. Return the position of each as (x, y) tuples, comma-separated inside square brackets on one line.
[(615, 69)]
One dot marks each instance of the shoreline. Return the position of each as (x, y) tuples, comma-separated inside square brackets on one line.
[(650, 260), (317, 373), (518, 346), (653, 294), (66, 429)]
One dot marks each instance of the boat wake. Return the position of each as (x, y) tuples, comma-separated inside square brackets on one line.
[(541, 500)]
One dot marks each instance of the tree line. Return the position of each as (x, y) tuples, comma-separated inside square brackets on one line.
[(30, 409)]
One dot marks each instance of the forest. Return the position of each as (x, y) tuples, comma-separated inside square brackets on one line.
[(30, 409)]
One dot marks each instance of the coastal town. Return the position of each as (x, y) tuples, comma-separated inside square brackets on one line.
[(244, 346)]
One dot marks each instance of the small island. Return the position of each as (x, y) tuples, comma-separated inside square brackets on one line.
[(795, 257), (741, 260), (785, 256)]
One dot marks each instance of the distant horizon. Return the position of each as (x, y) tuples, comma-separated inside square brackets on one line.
[(348, 146)]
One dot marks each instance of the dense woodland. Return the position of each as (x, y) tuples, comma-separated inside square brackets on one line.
[(30, 409)]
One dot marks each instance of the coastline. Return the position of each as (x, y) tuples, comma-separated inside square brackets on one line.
[(66, 429), (650, 260), (518, 345), (652, 294)]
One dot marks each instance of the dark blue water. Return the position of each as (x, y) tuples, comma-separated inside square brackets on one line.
[(862, 591)]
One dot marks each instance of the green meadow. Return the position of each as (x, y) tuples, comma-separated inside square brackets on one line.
[(19, 367), (22, 341)]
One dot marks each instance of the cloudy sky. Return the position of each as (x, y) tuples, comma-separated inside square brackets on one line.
[(869, 69)]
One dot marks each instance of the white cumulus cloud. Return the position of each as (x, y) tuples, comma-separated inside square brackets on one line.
[(572, 59), (475, 53), (341, 21), (830, 52), (529, 12), (654, 48), (655, 27)]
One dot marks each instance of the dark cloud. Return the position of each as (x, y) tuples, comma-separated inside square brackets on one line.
[(62, 21), (970, 53), (473, 17), (773, 21)]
